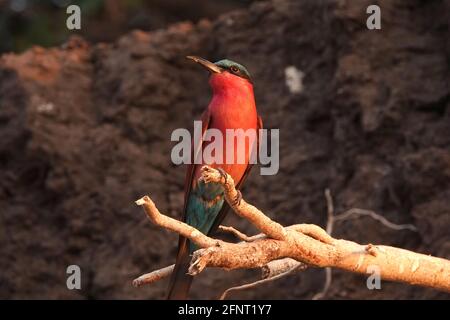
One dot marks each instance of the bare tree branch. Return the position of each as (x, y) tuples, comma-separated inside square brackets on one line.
[(312, 248)]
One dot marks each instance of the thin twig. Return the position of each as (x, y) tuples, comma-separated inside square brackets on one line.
[(363, 212), (153, 276), (330, 211), (240, 235), (330, 223), (327, 285), (259, 282)]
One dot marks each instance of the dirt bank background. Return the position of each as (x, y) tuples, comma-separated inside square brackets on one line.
[(85, 130)]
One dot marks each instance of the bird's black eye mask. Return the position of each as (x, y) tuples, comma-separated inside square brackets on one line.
[(234, 68)]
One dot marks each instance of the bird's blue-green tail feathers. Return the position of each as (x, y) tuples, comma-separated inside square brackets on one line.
[(203, 206)]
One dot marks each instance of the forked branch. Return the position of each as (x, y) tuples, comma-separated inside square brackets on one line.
[(306, 244)]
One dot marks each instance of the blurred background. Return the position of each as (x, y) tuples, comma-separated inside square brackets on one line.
[(86, 118), (24, 23)]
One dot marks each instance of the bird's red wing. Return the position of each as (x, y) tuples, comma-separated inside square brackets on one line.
[(250, 165), (223, 212), (206, 119)]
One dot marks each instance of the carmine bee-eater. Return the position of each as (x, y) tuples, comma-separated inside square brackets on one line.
[(232, 107)]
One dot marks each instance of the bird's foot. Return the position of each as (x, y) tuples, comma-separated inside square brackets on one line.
[(223, 174), (237, 200)]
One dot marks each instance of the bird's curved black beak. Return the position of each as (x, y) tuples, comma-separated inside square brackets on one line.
[(211, 67)]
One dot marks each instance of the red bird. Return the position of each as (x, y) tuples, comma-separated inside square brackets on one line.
[(232, 107)]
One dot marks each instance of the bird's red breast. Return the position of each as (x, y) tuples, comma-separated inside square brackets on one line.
[(232, 107)]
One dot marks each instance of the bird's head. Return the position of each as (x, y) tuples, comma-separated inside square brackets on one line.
[(225, 73)]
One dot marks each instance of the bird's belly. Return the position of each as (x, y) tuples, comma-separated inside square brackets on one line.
[(239, 139)]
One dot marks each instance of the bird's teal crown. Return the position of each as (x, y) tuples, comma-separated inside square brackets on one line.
[(234, 68)]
